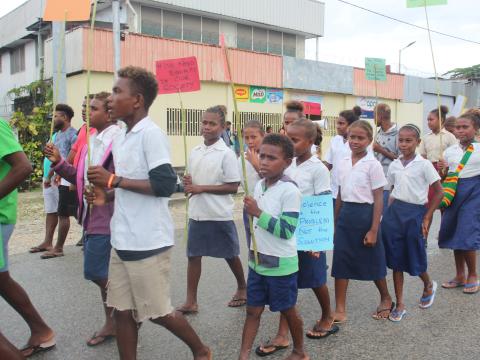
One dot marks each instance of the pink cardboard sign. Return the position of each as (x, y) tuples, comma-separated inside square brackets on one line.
[(177, 75)]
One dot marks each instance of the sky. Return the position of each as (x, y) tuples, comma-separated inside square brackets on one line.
[(352, 34)]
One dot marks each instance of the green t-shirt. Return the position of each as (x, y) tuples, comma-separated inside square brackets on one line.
[(8, 145)]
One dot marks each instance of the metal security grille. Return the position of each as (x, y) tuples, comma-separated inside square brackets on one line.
[(266, 119), (194, 120)]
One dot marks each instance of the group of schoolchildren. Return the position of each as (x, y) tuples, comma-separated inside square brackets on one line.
[(125, 179)]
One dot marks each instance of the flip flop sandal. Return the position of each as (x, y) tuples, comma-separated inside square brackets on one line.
[(430, 298), (30, 350), (51, 255), (263, 353), (37, 249), (377, 316), (95, 336), (397, 316), (471, 288), (237, 302), (187, 311), (340, 322), (452, 284), (333, 330)]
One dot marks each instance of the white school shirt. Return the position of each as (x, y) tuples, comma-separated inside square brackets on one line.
[(281, 197), (140, 222), (99, 144), (252, 175), (454, 154), (358, 182), (312, 176), (212, 165), (410, 183), (337, 151)]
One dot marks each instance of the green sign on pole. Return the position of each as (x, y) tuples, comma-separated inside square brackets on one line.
[(375, 69), (421, 3)]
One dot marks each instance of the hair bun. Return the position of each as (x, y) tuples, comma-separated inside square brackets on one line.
[(294, 105), (223, 109), (444, 109), (357, 110)]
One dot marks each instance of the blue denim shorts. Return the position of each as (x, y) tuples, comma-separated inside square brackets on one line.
[(6, 232), (96, 257), (279, 292)]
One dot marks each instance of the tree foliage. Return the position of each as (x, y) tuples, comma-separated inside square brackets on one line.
[(468, 73), (31, 120)]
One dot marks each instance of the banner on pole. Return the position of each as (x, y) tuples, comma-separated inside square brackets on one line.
[(315, 224), (177, 75), (375, 69), (67, 10), (242, 92), (258, 94), (422, 3)]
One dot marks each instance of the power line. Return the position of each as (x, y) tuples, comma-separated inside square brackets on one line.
[(410, 24)]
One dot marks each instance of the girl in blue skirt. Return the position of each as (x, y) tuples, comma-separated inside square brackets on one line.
[(406, 222), (312, 178), (460, 228), (356, 253)]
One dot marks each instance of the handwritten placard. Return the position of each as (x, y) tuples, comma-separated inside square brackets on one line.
[(67, 10), (315, 224), (375, 69), (422, 3), (177, 75)]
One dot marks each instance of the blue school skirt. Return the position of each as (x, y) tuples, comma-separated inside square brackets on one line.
[(212, 238), (312, 272), (352, 259), (246, 225), (403, 239), (460, 228)]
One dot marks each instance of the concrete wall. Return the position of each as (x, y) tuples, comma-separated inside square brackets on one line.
[(14, 23), (9, 81)]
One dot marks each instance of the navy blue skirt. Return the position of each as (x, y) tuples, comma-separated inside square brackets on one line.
[(460, 228), (312, 272), (212, 238), (352, 259), (403, 239)]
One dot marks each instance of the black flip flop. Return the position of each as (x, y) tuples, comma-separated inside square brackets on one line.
[(376, 317), (36, 349), (333, 330), (276, 348)]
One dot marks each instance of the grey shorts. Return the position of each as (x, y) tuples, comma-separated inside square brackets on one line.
[(6, 231)]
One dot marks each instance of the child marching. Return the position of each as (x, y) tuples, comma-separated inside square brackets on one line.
[(273, 281), (213, 178), (460, 229), (407, 221), (357, 254)]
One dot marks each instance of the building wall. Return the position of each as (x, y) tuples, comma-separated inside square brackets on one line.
[(14, 23), (9, 81), (279, 13)]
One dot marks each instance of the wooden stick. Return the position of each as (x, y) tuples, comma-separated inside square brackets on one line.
[(184, 134), (242, 154), (437, 83), (376, 105), (59, 71)]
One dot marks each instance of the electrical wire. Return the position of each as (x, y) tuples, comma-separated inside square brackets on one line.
[(408, 23)]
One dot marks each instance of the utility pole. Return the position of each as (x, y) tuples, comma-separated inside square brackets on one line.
[(58, 54), (116, 35)]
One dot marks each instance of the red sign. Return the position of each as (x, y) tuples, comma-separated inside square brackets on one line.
[(177, 75), (312, 108)]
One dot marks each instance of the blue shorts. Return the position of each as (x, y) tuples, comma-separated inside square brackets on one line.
[(6, 231), (96, 257), (279, 292)]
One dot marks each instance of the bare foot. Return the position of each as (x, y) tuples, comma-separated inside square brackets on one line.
[(100, 336), (339, 317), (187, 309), (278, 343), (37, 339), (457, 281), (206, 354), (321, 328), (239, 298), (297, 355)]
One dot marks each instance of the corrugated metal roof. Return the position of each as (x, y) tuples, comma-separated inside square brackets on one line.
[(141, 50), (390, 89)]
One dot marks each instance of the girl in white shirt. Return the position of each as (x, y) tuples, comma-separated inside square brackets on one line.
[(213, 177), (339, 147), (460, 227), (253, 134), (357, 254), (407, 221)]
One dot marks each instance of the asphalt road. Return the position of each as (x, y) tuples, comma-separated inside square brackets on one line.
[(449, 330)]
